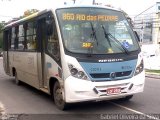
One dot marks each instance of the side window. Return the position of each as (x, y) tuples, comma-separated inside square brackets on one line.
[(31, 36), (53, 44), (13, 36), (5, 40), (9, 39), (21, 38), (16, 37)]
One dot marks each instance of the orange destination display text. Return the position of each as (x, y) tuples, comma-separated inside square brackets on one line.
[(84, 17)]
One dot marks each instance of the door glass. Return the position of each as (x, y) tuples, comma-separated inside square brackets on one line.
[(53, 44)]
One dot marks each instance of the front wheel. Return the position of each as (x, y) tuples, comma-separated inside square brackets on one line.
[(58, 97), (127, 98)]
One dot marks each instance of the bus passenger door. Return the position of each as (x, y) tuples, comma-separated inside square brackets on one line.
[(49, 55), (6, 45), (42, 37)]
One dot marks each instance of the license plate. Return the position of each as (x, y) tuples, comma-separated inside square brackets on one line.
[(113, 91)]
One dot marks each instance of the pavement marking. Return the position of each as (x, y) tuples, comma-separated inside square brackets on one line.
[(2, 109), (135, 111)]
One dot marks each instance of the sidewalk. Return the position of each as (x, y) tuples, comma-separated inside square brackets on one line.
[(152, 62), (151, 56)]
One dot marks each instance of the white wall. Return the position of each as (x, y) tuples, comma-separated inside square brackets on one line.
[(151, 55)]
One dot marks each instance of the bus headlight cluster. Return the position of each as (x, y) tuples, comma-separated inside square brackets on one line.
[(139, 68), (77, 73)]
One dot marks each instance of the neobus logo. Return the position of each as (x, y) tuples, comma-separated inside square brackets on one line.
[(110, 60)]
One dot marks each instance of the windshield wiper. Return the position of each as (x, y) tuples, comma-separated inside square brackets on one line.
[(106, 36), (113, 38), (93, 38), (93, 34)]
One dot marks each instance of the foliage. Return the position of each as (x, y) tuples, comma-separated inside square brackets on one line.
[(153, 71), (1, 40), (29, 12), (1, 27), (26, 13)]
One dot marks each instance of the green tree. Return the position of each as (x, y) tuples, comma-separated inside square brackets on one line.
[(26, 13), (1, 40), (29, 12), (1, 27)]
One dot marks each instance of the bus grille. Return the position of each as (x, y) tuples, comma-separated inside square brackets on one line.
[(107, 75)]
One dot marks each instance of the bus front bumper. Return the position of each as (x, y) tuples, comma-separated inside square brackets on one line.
[(77, 90)]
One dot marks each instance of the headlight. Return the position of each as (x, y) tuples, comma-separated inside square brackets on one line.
[(139, 68), (80, 74), (73, 71), (77, 73)]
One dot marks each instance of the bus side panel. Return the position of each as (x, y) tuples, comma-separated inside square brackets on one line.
[(39, 69), (10, 59), (26, 67), (53, 70), (6, 63)]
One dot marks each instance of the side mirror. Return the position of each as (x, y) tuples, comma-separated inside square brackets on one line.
[(130, 21), (137, 36)]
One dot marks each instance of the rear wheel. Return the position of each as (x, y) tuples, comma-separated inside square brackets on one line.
[(58, 97), (18, 82)]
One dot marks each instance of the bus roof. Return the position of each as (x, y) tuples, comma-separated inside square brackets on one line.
[(59, 7), (94, 6), (26, 18)]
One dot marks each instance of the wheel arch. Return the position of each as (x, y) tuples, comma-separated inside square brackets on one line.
[(13, 71), (52, 82)]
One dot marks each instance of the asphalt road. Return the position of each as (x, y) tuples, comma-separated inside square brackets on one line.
[(30, 103)]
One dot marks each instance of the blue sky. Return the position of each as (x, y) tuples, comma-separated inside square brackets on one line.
[(15, 8)]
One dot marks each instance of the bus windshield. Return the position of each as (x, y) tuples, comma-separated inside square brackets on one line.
[(96, 31)]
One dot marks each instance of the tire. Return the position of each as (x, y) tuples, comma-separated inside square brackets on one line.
[(17, 81), (127, 98), (58, 97)]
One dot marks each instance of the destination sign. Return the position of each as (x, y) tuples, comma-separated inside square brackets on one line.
[(87, 45), (86, 17)]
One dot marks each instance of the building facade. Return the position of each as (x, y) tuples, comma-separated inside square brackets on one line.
[(147, 25)]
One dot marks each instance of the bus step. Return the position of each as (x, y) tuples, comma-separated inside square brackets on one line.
[(44, 90)]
